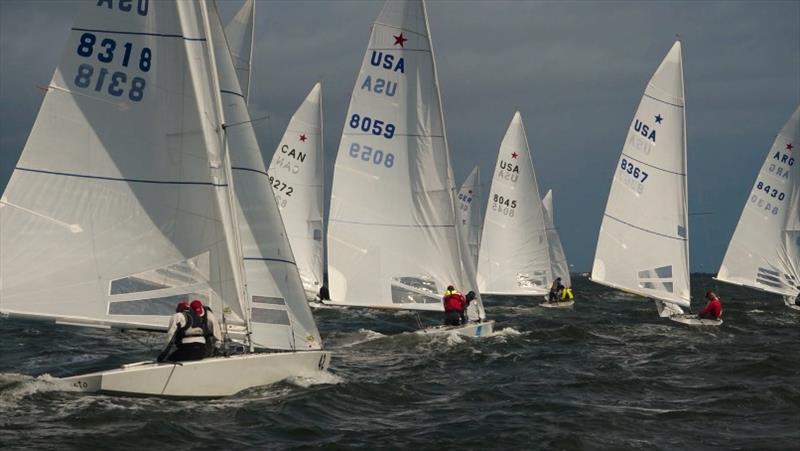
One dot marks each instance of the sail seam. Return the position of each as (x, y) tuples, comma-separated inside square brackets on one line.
[(643, 229), (403, 50), (654, 167), (420, 226), (231, 92), (238, 168), (663, 101), (396, 134), (120, 179), (141, 33), (266, 259), (402, 29)]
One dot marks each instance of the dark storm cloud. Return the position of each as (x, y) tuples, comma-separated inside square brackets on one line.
[(576, 71)]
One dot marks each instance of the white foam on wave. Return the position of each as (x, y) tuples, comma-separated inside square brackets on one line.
[(508, 332), (354, 338), (14, 386), (316, 378)]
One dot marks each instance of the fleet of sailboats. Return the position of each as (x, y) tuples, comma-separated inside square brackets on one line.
[(142, 184), (764, 252)]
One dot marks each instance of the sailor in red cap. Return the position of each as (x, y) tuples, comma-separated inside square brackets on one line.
[(194, 332)]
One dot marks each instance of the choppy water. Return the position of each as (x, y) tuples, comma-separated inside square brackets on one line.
[(607, 375)]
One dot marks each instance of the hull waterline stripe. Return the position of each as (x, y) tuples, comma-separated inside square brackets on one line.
[(141, 33), (120, 179), (643, 229)]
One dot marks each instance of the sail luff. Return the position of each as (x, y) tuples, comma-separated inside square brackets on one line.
[(469, 271), (228, 211)]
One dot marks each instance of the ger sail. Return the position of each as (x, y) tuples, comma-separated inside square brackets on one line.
[(296, 175), (764, 252), (514, 258), (643, 245), (123, 203), (393, 237)]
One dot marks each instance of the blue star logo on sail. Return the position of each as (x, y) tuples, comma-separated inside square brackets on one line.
[(659, 118)]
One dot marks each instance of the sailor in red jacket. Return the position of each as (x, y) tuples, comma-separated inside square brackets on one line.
[(454, 305), (713, 309)]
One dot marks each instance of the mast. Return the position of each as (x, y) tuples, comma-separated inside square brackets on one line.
[(235, 248), (466, 266)]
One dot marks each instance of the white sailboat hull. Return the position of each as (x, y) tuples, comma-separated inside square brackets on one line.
[(483, 329), (212, 377), (694, 320), (560, 304)]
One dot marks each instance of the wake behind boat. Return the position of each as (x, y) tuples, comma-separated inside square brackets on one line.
[(133, 193)]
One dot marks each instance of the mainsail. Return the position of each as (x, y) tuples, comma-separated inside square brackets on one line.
[(558, 259), (514, 256), (296, 175), (469, 209), (763, 252), (393, 240), (118, 205), (643, 243), (239, 32), (122, 202)]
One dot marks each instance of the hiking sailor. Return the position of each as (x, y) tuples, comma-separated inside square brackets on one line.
[(193, 330)]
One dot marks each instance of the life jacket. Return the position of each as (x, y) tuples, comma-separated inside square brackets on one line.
[(453, 301), (566, 294), (195, 330)]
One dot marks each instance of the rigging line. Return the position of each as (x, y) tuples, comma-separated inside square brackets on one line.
[(235, 124), (169, 378)]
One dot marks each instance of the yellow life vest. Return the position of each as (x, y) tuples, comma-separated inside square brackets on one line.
[(566, 294)]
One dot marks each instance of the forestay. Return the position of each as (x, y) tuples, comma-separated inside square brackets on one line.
[(239, 32), (469, 210), (296, 175), (117, 207), (392, 239), (643, 243), (514, 256), (558, 259), (279, 314), (763, 252)]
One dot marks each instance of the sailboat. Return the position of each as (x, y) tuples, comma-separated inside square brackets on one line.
[(141, 185), (393, 235), (469, 208), (643, 245), (764, 252), (514, 258), (558, 259), (296, 175)]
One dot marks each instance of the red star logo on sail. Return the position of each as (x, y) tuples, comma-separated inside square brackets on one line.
[(789, 146), (303, 137), (514, 155), (400, 40)]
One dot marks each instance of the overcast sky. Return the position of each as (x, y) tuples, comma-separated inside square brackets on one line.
[(576, 71)]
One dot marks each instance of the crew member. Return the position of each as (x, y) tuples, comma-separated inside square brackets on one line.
[(713, 309), (555, 290), (454, 306)]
